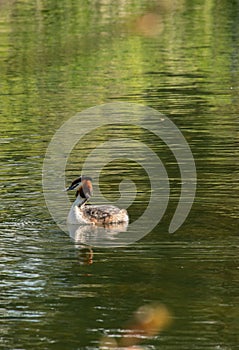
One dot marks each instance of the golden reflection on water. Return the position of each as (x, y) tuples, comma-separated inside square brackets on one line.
[(151, 23), (147, 321)]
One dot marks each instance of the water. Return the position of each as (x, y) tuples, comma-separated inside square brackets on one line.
[(57, 59)]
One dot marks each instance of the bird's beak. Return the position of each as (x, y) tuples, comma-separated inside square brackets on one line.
[(73, 186)]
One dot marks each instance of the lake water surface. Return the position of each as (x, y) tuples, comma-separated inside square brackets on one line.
[(58, 59)]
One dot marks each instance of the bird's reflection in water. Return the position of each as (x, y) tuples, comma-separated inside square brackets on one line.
[(87, 236), (94, 235), (85, 255)]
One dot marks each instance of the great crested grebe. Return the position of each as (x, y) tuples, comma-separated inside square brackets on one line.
[(82, 213)]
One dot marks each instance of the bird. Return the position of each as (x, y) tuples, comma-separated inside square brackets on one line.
[(83, 213)]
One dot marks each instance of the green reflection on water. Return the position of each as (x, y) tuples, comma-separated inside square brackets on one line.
[(58, 58)]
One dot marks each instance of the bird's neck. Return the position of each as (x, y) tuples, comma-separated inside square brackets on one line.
[(79, 201)]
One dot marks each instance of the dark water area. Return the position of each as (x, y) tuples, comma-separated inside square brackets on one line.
[(57, 59)]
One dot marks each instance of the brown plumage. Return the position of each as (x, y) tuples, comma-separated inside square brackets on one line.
[(104, 214)]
